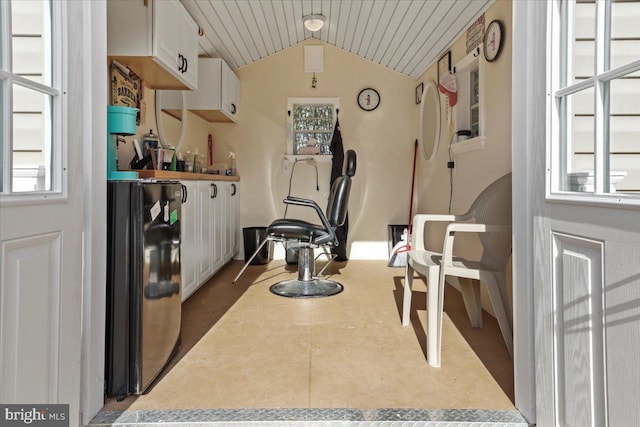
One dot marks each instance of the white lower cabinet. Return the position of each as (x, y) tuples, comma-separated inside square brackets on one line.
[(210, 221), (189, 240), (232, 212), (219, 226), (204, 256)]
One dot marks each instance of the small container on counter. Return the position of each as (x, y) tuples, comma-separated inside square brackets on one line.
[(188, 162), (149, 141), (203, 164), (196, 162), (179, 162)]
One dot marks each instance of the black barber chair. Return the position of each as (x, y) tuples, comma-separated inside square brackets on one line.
[(308, 236)]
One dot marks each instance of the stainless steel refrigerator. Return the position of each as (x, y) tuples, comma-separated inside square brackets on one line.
[(143, 313)]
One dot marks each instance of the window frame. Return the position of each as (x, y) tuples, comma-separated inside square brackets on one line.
[(462, 110), (559, 88), (335, 101), (56, 151)]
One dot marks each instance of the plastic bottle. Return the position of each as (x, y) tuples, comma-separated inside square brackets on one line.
[(179, 162), (196, 168), (172, 167), (203, 164), (188, 162)]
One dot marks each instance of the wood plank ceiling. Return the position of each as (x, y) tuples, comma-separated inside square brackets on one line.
[(403, 35)]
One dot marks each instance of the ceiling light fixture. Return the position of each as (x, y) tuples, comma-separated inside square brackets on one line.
[(313, 22)]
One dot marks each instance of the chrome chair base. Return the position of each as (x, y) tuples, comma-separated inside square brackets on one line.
[(307, 285), (296, 288)]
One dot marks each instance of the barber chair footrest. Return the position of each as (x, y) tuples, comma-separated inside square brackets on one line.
[(306, 288)]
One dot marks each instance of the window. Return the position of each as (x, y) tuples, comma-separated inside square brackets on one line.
[(468, 112), (310, 124), (474, 102), (30, 89), (595, 102)]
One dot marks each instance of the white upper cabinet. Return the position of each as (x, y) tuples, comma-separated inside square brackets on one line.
[(188, 49), (230, 91), (159, 42), (218, 95)]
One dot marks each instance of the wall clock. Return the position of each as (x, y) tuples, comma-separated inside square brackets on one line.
[(493, 38), (368, 99)]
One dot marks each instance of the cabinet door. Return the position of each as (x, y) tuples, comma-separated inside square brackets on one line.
[(166, 36), (205, 208), (189, 240), (231, 224), (234, 215), (188, 50), (218, 219), (230, 87), (175, 41)]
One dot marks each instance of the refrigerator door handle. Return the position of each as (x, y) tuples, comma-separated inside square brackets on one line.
[(184, 193)]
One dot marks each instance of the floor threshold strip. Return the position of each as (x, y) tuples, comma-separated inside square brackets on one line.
[(321, 417)]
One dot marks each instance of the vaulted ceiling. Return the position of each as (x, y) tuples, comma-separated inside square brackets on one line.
[(403, 35)]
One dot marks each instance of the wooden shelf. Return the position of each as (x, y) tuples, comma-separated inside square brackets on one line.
[(183, 176)]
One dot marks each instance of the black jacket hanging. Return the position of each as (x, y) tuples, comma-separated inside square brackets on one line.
[(337, 166)]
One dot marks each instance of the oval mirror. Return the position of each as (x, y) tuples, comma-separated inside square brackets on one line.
[(430, 120), (171, 117)]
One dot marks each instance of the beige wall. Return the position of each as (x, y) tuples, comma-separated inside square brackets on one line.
[(383, 140), (476, 169)]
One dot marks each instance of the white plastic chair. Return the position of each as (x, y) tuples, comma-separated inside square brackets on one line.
[(490, 217)]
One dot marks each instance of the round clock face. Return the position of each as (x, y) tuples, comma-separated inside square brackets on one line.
[(368, 99), (493, 40)]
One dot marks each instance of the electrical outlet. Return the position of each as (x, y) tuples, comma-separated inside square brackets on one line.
[(286, 165), (450, 165)]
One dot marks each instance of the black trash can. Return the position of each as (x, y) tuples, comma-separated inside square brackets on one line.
[(395, 234), (253, 238), (291, 255)]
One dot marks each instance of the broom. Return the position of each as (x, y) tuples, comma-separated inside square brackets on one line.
[(398, 253)]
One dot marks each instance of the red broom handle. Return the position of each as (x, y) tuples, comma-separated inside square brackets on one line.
[(413, 180)]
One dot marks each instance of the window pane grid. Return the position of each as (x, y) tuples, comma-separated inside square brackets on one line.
[(474, 102), (583, 40), (27, 40), (599, 131), (623, 134), (31, 39), (312, 121)]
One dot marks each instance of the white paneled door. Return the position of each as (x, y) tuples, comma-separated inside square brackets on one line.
[(41, 255), (576, 258)]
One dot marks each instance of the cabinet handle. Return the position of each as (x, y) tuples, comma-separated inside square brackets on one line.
[(211, 191), (233, 108), (233, 193), (215, 191), (182, 67)]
